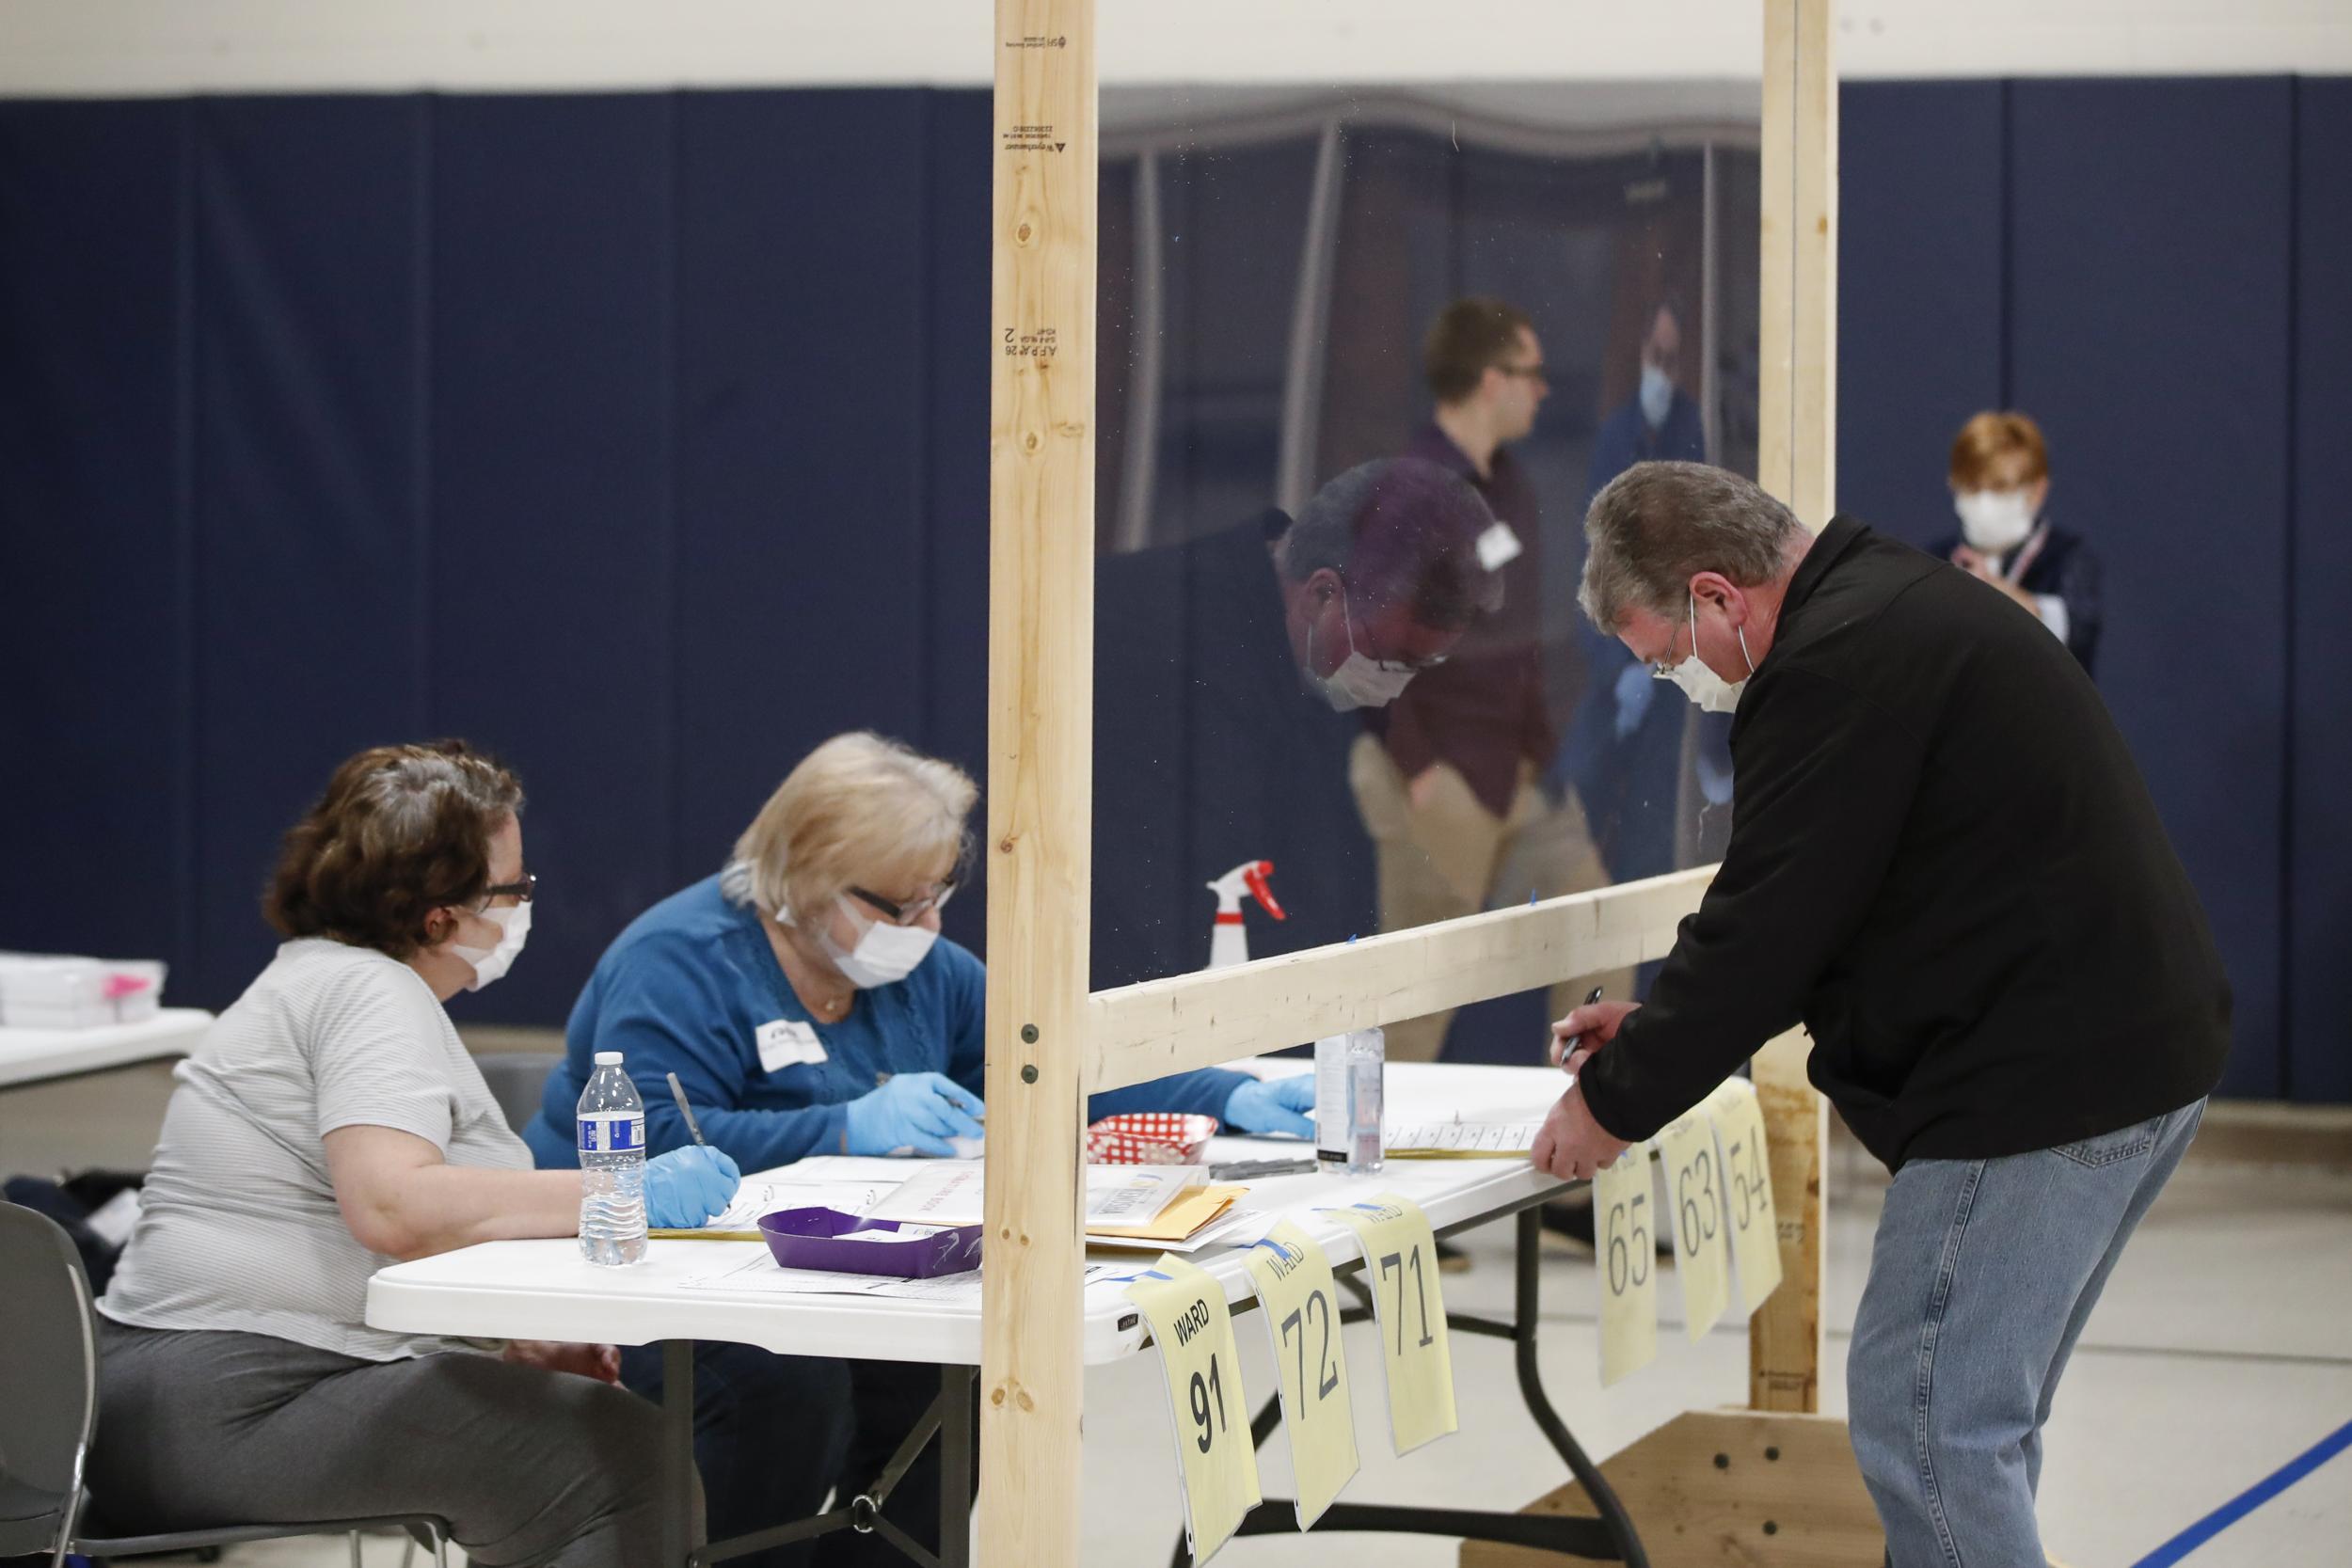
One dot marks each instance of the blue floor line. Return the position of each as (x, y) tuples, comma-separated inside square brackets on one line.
[(2251, 1498)]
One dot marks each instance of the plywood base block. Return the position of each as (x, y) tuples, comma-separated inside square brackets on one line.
[(1757, 1489)]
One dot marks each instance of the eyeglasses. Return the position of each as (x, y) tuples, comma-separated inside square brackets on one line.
[(1663, 668), (910, 911), (1386, 666), (1532, 373), (520, 892)]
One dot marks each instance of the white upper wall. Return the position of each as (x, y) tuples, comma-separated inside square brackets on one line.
[(93, 48)]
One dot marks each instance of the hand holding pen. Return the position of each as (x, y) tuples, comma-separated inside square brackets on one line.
[(1585, 1031)]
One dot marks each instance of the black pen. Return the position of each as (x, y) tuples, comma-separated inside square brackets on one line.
[(1569, 1044), (678, 1092)]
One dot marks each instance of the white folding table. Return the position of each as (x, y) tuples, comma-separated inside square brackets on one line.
[(544, 1289), (42, 1055)]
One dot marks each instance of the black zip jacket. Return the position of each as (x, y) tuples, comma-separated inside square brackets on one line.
[(1945, 863)]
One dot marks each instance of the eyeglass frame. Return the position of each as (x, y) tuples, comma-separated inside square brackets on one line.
[(521, 891), (908, 913)]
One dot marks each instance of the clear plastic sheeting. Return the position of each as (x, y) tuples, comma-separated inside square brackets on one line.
[(1364, 363)]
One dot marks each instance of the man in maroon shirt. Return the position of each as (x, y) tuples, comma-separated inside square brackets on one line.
[(1446, 778)]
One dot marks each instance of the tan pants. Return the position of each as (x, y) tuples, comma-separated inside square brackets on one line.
[(1454, 857)]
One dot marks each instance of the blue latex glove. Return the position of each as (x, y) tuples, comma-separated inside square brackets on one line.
[(1273, 1105), (916, 1111), (686, 1186)]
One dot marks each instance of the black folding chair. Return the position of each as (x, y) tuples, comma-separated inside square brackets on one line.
[(49, 1410), (516, 1079)]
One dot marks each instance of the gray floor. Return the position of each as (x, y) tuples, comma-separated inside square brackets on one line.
[(2223, 1349)]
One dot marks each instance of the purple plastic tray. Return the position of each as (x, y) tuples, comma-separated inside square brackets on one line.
[(811, 1238)]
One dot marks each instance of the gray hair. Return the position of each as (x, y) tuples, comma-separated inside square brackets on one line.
[(1398, 530), (1656, 524)]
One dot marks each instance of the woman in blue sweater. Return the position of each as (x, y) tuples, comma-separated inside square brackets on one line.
[(808, 1004)]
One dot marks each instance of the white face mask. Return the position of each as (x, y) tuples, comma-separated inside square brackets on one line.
[(1994, 521), (1658, 396), (514, 926), (885, 953), (1358, 682), (1710, 690)]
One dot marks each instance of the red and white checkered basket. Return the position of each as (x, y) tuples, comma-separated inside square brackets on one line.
[(1149, 1138)]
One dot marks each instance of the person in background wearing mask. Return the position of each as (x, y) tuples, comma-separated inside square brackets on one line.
[(1445, 775), (1661, 422), (1969, 901), (1231, 675), (1624, 750), (806, 1002), (2000, 476), (332, 1122)]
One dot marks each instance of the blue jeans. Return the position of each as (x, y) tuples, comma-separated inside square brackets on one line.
[(1981, 1278)]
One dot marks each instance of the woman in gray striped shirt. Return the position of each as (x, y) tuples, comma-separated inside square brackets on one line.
[(332, 1122)]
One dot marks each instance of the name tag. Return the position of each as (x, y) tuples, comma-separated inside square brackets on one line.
[(1498, 546), (788, 1042)]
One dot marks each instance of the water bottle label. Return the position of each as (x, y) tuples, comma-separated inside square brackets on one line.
[(612, 1132)]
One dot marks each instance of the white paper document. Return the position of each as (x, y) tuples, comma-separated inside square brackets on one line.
[(1465, 1139), (754, 1198), (948, 1192)]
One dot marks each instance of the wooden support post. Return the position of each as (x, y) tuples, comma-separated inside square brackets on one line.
[(1040, 775), (1797, 402), (1785, 1334)]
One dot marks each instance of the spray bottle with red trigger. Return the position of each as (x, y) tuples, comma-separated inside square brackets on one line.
[(1229, 938)]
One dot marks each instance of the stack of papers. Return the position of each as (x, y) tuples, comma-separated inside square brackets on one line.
[(948, 1192), (1170, 1207)]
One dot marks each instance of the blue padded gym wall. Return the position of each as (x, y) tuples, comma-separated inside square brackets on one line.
[(2319, 826), (2150, 262), (639, 437), (643, 436), (1919, 345), (2119, 258)]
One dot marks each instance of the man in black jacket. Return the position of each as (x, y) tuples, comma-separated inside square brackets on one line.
[(1943, 863)]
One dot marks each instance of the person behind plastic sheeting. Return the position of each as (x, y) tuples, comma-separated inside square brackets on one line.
[(1229, 676), (1446, 775), (808, 1006), (330, 1122), (1945, 866), (2000, 477), (1624, 750)]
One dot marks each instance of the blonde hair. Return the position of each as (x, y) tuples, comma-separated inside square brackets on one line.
[(859, 808)]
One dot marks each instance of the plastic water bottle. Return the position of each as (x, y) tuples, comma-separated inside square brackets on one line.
[(1348, 1071), (611, 1166)]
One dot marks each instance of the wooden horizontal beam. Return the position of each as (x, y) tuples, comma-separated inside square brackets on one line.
[(1136, 1033)]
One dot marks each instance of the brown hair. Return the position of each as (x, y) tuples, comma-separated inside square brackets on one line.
[(1469, 337), (1999, 451), (402, 830)]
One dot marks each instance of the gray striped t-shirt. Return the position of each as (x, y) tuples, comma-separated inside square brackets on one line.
[(239, 1228)]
